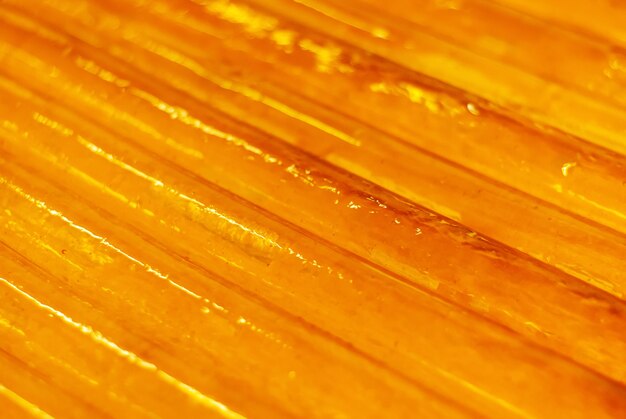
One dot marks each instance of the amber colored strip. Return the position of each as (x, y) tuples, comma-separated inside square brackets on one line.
[(420, 317), (201, 227), (602, 20), (593, 182), (258, 208), (150, 309), (437, 274), (36, 387), (507, 86), (15, 406), (408, 257), (596, 269), (576, 62)]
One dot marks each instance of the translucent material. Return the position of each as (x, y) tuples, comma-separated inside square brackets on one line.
[(277, 208)]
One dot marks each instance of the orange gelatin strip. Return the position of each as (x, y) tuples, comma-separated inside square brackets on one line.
[(306, 208)]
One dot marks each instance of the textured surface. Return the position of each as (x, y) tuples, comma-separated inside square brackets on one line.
[(312, 208)]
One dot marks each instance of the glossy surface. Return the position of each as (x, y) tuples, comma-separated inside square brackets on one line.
[(276, 208)]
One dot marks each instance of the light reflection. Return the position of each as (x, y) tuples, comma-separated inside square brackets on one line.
[(128, 355), (250, 93), (567, 167), (431, 100), (98, 151), (347, 18), (29, 407)]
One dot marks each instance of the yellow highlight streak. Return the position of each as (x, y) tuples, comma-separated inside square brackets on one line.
[(23, 403), (98, 151), (246, 91), (128, 355), (253, 22), (559, 188), (375, 31), (102, 240)]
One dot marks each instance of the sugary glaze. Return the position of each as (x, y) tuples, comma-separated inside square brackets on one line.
[(276, 208)]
